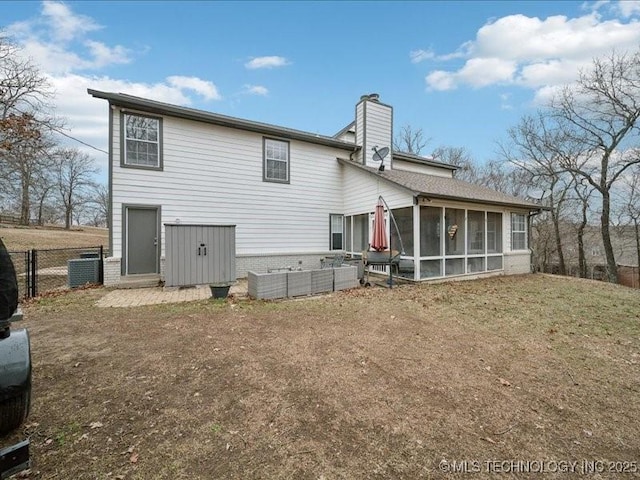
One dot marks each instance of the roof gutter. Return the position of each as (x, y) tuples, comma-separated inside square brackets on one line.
[(430, 196), (160, 108)]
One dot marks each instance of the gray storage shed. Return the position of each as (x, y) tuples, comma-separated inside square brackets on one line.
[(199, 254)]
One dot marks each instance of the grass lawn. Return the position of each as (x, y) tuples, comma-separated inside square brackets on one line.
[(26, 238), (370, 383)]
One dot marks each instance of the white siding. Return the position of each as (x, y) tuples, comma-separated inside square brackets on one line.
[(361, 191), (359, 130), (374, 122), (421, 168), (347, 136), (378, 120), (214, 175)]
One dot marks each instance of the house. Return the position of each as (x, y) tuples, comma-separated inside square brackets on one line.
[(294, 196)]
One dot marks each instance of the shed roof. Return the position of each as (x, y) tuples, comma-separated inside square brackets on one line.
[(432, 186), (130, 101)]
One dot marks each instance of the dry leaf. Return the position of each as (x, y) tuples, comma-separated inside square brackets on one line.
[(134, 458)]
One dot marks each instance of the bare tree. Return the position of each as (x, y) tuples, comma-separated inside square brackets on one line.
[(410, 140), (459, 157), (24, 126), (583, 193), (100, 202), (631, 209), (24, 157), (23, 88), (74, 178), (601, 112), (540, 149)]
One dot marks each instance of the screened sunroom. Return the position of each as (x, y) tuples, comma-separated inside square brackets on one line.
[(443, 241)]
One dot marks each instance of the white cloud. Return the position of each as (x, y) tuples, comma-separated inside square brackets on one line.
[(536, 53), (629, 8), (480, 72), (57, 41), (418, 56), (202, 87), (65, 24), (267, 62), (441, 80), (505, 101), (103, 55), (256, 90)]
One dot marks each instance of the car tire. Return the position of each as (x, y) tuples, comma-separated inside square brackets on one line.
[(14, 410)]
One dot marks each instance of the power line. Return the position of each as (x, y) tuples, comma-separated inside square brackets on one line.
[(78, 140), (61, 132)]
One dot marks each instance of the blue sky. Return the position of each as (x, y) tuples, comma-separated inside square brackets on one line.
[(462, 71)]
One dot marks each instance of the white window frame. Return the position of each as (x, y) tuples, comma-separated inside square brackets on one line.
[(332, 231), (128, 162), (521, 219), (266, 159)]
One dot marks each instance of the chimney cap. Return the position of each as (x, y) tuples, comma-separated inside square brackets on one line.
[(374, 97)]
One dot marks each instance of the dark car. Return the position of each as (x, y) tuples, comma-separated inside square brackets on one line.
[(15, 369)]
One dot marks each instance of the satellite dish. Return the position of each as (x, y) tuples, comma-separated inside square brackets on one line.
[(379, 155)]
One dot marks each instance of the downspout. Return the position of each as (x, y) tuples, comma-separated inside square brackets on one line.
[(529, 236)]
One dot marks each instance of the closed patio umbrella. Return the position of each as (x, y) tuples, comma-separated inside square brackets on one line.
[(379, 241)]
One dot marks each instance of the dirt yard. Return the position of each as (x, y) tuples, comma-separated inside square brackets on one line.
[(397, 384), (23, 238)]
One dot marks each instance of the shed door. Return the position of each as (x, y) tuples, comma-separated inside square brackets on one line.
[(142, 240)]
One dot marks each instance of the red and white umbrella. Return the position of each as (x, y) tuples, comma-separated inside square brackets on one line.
[(379, 242)]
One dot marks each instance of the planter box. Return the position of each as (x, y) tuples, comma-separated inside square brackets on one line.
[(298, 283), (267, 285), (345, 277), (322, 281)]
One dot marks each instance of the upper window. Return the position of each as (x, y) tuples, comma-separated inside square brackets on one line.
[(518, 231), (337, 228), (276, 160), (142, 141)]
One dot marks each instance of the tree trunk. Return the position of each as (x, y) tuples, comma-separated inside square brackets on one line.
[(635, 221), (67, 217), (25, 204), (556, 230), (612, 269), (582, 258)]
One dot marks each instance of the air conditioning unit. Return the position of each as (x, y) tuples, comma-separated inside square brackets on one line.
[(82, 271)]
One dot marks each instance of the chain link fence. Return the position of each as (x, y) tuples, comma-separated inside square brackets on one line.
[(41, 271)]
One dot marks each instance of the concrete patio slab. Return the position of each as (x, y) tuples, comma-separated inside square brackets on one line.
[(135, 297)]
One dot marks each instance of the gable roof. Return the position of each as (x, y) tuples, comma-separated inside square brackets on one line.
[(432, 186), (413, 158), (160, 108), (349, 128)]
